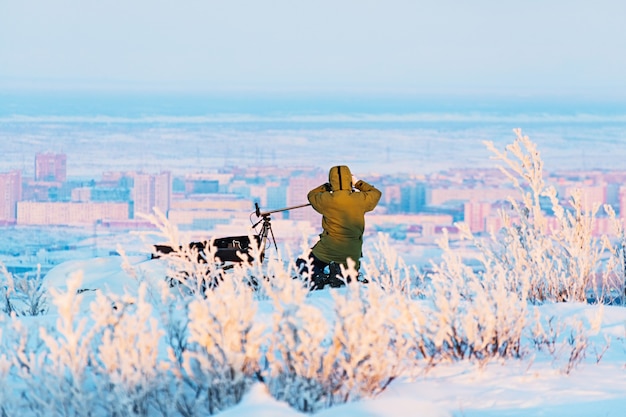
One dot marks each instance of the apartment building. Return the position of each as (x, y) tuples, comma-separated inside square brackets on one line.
[(297, 191), (10, 194), (50, 167), (69, 213), (150, 192), (204, 212), (475, 214)]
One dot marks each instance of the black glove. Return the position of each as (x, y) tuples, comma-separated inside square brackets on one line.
[(328, 187)]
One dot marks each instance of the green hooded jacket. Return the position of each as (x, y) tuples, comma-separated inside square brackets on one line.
[(343, 215)]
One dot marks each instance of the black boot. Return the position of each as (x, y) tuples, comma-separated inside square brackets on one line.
[(334, 276), (319, 281)]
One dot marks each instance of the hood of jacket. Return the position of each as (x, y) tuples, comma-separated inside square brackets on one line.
[(340, 178)]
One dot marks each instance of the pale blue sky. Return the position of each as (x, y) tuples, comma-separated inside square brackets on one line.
[(510, 47)]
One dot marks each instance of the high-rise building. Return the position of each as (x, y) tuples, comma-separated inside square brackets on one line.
[(622, 202), (10, 194), (163, 191), (143, 194), (476, 214), (413, 198), (150, 192), (50, 167), (276, 196)]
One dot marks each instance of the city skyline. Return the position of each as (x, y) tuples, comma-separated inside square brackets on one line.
[(419, 207)]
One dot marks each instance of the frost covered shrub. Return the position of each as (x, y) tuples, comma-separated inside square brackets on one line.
[(483, 313), (366, 339), (16, 342), (315, 361), (104, 363), (191, 270), (7, 288), (130, 375), (114, 362), (213, 339), (22, 295), (473, 315), (384, 267), (610, 285), (220, 358), (57, 377), (30, 295), (296, 370), (556, 261), (568, 341)]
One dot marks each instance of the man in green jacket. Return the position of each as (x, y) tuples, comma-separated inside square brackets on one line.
[(342, 202)]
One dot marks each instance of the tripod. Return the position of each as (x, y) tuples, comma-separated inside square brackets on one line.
[(266, 228)]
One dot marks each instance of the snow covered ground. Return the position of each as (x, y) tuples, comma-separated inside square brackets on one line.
[(537, 385)]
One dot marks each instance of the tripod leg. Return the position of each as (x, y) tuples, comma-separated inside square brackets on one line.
[(273, 238)]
